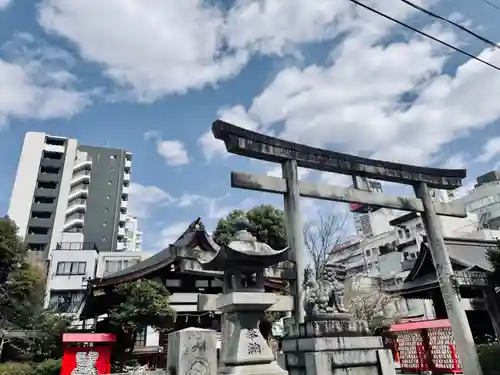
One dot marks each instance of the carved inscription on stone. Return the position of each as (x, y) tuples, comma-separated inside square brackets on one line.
[(253, 346), (197, 344)]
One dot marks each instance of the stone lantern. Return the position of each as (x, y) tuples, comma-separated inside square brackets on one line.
[(244, 302)]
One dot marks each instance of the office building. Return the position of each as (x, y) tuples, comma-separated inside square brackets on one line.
[(64, 187)]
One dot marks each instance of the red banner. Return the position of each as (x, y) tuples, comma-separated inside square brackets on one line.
[(86, 361)]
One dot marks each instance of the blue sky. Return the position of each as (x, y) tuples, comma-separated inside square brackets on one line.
[(151, 76)]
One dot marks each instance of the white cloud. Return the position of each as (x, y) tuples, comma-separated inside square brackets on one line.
[(4, 4), (490, 150), (35, 82), (211, 146), (171, 46), (169, 234), (143, 199), (173, 151), (392, 101)]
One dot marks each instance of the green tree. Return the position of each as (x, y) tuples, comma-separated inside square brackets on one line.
[(22, 291), (268, 221), (493, 255), (141, 303)]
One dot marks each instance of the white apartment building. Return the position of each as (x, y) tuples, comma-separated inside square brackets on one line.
[(484, 200), (72, 263), (133, 236), (64, 187)]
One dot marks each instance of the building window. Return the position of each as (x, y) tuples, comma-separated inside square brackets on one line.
[(108, 197), (201, 283), (71, 268), (112, 266), (65, 302), (54, 141), (110, 182), (172, 283), (103, 239), (106, 209), (104, 224), (140, 340), (400, 233), (112, 157), (419, 226), (368, 252)]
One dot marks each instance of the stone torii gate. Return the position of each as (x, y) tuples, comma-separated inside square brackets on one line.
[(292, 155)]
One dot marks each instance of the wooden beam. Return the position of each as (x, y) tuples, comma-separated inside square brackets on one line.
[(310, 189), (207, 302)]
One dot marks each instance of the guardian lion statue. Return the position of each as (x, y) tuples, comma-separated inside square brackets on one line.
[(324, 298)]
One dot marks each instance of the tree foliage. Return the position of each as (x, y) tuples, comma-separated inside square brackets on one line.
[(141, 303), (268, 221), (22, 291), (493, 255), (321, 235)]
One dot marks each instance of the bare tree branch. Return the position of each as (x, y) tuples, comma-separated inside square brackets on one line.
[(322, 235), (373, 305)]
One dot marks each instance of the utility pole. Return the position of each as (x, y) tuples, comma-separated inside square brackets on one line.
[(464, 340)]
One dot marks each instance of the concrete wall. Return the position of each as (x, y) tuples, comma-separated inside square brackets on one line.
[(26, 179), (65, 186), (105, 191)]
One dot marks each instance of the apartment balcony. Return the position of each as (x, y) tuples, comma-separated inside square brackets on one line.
[(121, 232), (80, 177), (128, 163), (126, 176), (77, 191), (120, 246), (56, 163), (74, 220), (43, 207), (82, 163), (125, 190), (76, 205), (123, 206), (49, 193), (49, 177), (38, 222), (123, 217)]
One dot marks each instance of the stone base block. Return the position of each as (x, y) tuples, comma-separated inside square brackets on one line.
[(337, 356), (260, 369)]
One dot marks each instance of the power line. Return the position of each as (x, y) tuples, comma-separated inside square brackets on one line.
[(463, 28), (492, 4), (425, 34)]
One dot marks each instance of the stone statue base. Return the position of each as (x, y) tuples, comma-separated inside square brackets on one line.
[(334, 347), (332, 327), (258, 369)]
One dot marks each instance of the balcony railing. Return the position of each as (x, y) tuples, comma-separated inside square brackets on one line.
[(76, 246), (77, 202), (78, 188)]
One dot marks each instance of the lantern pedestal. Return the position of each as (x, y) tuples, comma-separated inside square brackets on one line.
[(247, 352)]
